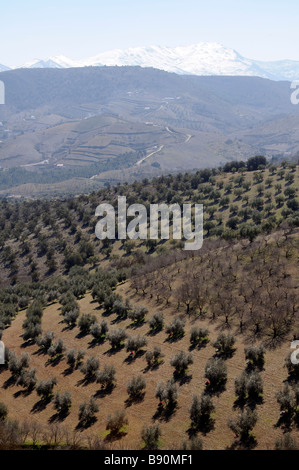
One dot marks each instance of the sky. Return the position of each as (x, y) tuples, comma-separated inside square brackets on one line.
[(257, 29)]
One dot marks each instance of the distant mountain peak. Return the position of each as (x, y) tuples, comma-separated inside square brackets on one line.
[(57, 62), (203, 58)]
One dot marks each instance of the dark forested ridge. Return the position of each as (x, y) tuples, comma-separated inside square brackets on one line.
[(33, 88)]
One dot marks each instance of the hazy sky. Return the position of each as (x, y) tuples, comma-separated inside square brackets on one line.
[(257, 29)]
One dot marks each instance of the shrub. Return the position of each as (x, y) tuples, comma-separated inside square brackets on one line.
[(27, 379), (153, 357), (67, 297), (199, 336), (216, 372), (241, 386), (195, 443), (31, 331), (116, 421), (90, 367), (286, 442), (106, 377), (117, 337), (99, 331), (167, 393), (156, 322), (176, 328), (121, 308), (45, 388), (85, 322), (181, 361), (32, 323), (249, 385), (57, 349), (3, 412), (150, 436), (45, 341), (16, 366), (254, 385), (225, 344), (71, 317), (293, 369), (87, 411), (201, 409), (243, 423), (136, 343), (285, 398), (70, 305), (136, 387), (62, 402), (74, 358), (137, 315), (255, 355)]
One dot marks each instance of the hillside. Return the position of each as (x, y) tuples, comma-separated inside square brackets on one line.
[(131, 307), (65, 124), (42, 238)]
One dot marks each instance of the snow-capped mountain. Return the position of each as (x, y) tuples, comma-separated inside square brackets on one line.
[(3, 68), (199, 59), (204, 58), (57, 62)]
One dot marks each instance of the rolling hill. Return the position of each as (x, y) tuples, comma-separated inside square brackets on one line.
[(108, 342), (94, 120)]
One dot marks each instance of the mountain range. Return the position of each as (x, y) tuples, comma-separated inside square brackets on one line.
[(204, 58)]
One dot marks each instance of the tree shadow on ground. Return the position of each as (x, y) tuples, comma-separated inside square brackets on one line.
[(134, 326), (59, 417), (27, 344), (95, 342), (243, 444), (215, 390), (103, 392), (182, 379), (205, 425), (53, 362), (226, 355), (41, 405), (199, 346), (115, 436), (82, 425), (85, 381), (81, 334), (24, 393), (284, 422), (165, 413), (40, 352), (134, 400), (173, 339), (68, 371), (10, 382), (67, 328), (153, 366), (153, 332), (130, 359), (113, 351), (118, 319), (252, 403)]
